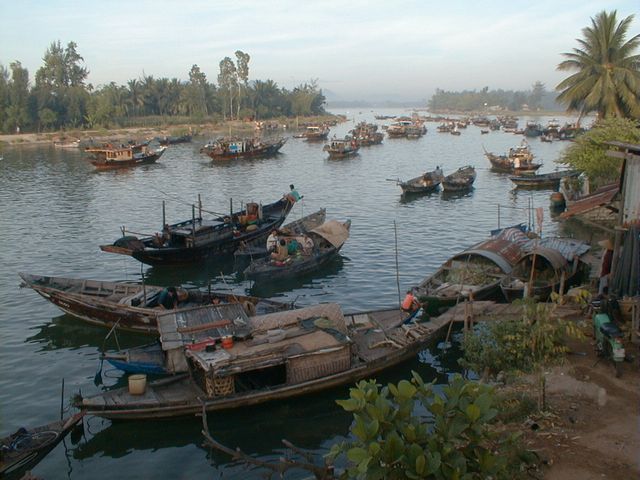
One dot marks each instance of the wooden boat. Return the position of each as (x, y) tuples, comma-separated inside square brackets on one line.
[(476, 272), (425, 183), (549, 269), (315, 133), (67, 144), (128, 306), (532, 129), (125, 156), (287, 355), (23, 449), (519, 160), (460, 180), (367, 134), (545, 180), (315, 249), (484, 132), (167, 140), (234, 148), (398, 128), (198, 238), (455, 131), (341, 148), (297, 227)]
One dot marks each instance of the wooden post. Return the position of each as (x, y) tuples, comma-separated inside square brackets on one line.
[(199, 208), (193, 219), (498, 216), (164, 215), (395, 231), (231, 207)]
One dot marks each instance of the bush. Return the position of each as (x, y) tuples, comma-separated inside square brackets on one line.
[(392, 442), (522, 344)]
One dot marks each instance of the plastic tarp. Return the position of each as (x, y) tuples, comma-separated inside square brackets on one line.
[(334, 232)]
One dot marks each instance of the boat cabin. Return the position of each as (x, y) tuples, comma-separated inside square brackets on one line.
[(287, 348)]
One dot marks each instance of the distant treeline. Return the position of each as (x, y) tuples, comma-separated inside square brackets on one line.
[(538, 98), (59, 97)]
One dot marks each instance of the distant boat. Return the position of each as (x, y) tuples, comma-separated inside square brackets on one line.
[(235, 148), (174, 140), (425, 183), (110, 157), (341, 148), (460, 180), (67, 144), (545, 180)]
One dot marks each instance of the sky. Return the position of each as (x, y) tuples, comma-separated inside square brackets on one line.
[(356, 49)]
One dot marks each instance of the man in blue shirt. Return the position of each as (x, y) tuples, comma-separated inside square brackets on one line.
[(293, 195)]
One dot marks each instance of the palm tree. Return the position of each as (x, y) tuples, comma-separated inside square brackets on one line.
[(607, 80)]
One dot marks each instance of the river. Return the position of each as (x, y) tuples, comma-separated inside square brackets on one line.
[(56, 210)]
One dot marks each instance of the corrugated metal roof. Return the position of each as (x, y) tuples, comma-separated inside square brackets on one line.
[(602, 196), (554, 257), (569, 248), (182, 327), (502, 252)]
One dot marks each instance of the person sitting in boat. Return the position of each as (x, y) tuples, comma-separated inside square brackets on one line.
[(293, 196), (439, 171), (168, 298), (281, 252), (307, 245), (272, 240), (410, 303), (293, 246)]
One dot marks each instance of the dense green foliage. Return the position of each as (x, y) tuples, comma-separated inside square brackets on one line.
[(522, 344), (607, 78), (589, 151), (472, 100), (391, 441), (61, 98)]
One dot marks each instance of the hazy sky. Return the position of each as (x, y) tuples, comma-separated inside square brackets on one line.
[(357, 49)]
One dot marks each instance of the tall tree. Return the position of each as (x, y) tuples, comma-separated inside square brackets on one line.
[(607, 80), (196, 93), (17, 115), (537, 92), (242, 64), (228, 80)]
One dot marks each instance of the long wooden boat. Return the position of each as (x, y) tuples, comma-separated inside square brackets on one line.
[(314, 133), (460, 180), (425, 183), (367, 134), (476, 272), (130, 306), (520, 160), (327, 240), (233, 148), (173, 140), (287, 355), (297, 227), (341, 148), (197, 239), (73, 144), (23, 449), (545, 180), (125, 156), (549, 267)]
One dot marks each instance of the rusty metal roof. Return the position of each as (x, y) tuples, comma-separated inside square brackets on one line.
[(602, 196), (502, 252)]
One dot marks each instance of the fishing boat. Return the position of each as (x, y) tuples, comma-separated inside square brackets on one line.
[(399, 128), (460, 180), (476, 272), (519, 160), (341, 148), (109, 157), (316, 133), (199, 238), (287, 355), (367, 134), (425, 183), (73, 144), (173, 140), (310, 251), (129, 306), (548, 264), (23, 449), (297, 227), (544, 180), (235, 148), (533, 129)]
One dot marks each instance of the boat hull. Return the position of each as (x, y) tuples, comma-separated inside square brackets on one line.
[(267, 150), (111, 165)]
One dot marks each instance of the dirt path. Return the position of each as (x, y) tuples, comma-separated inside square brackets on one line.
[(593, 430)]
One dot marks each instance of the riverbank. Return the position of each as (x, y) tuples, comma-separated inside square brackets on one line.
[(590, 428), (204, 130)]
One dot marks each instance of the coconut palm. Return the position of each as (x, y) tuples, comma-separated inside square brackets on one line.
[(607, 80)]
